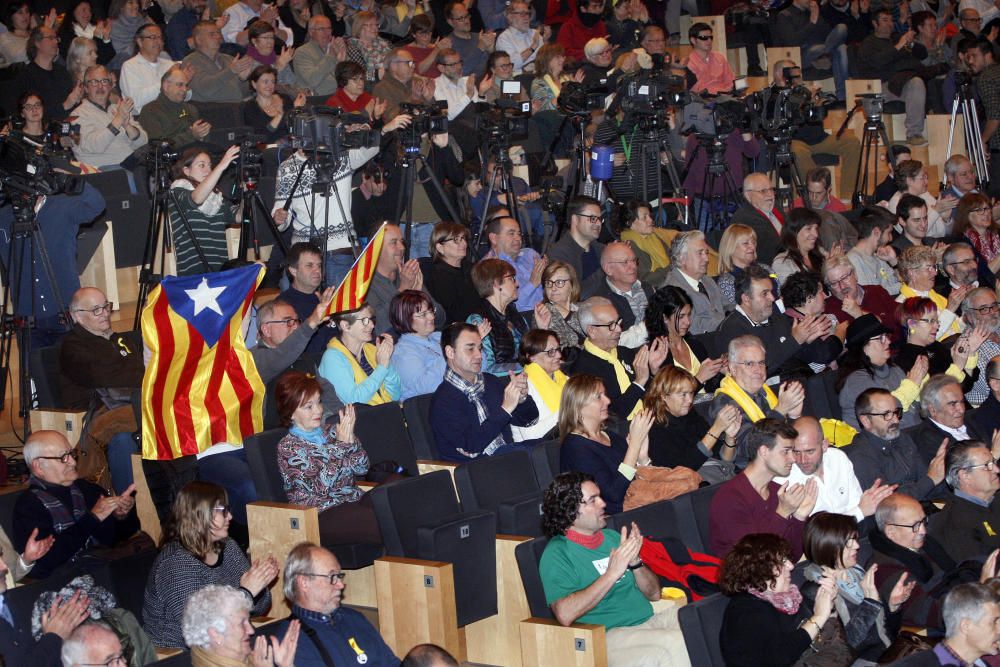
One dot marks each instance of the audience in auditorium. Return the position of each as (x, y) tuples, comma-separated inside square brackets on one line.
[(848, 300), (984, 421), (142, 73), (449, 279), (108, 132), (541, 358), (357, 364), (417, 359), (315, 61), (392, 277), (201, 212), (981, 310), (170, 116), (496, 282), (689, 255), (737, 251), (472, 412), (558, 310), (970, 613), (669, 315), (943, 407), (872, 257), (616, 595), (578, 247), (304, 264), (216, 77)]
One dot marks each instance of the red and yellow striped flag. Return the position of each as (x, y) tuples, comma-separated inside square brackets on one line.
[(201, 386), (353, 289)]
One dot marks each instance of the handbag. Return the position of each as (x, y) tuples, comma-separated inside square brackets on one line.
[(906, 643), (655, 483)]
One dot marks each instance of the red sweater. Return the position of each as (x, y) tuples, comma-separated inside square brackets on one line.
[(876, 301), (574, 36), (738, 510)]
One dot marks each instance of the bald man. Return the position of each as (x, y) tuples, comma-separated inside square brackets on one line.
[(95, 361), (57, 502), (839, 489), (622, 287), (760, 214)]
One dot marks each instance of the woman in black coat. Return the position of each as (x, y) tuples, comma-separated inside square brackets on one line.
[(668, 314)]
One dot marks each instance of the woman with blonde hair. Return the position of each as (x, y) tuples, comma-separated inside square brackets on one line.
[(82, 53), (974, 220), (917, 268), (737, 251), (557, 311), (449, 279), (196, 551), (366, 48), (680, 436), (586, 447), (548, 80)]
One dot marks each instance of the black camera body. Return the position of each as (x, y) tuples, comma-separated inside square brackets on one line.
[(502, 123), (325, 129), (576, 99), (650, 92), (426, 119), (718, 116), (249, 164), (781, 110)]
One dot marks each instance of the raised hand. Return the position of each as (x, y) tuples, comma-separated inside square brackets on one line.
[(285, 58), (638, 434), (126, 501), (868, 583), (936, 468), (640, 364), (484, 328), (318, 315), (873, 495), (989, 567), (345, 426), (900, 592), (383, 350), (64, 615), (709, 369), (790, 497), (811, 493), (511, 395), (259, 575), (200, 129), (790, 397), (284, 650), (34, 548), (410, 276), (626, 554), (919, 370), (104, 507)]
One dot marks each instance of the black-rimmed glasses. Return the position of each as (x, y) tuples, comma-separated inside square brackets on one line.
[(558, 282), (62, 458), (339, 576), (610, 326), (915, 527), (288, 321), (990, 465), (986, 308), (897, 413), (97, 310), (113, 661)]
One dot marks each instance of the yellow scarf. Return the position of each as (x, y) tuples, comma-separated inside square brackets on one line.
[(750, 408), (942, 304), (549, 388), (620, 374), (381, 396), (650, 244)]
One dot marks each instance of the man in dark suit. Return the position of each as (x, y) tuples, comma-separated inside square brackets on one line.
[(783, 337), (603, 357), (760, 215), (985, 420), (969, 524), (688, 268), (943, 405)]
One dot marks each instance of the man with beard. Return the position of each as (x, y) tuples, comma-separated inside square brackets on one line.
[(578, 246), (872, 257), (838, 489), (962, 268), (968, 525), (881, 452), (752, 502), (848, 300)]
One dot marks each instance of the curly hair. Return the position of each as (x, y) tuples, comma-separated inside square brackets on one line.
[(799, 288), (915, 257), (561, 502), (670, 379), (753, 563), (667, 302)]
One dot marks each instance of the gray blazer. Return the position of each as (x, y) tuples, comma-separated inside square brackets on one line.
[(707, 310)]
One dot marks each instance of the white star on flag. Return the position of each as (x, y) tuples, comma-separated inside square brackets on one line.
[(205, 297)]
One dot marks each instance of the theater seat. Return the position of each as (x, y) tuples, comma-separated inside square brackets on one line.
[(545, 461), (693, 508), (701, 623), (52, 413), (506, 485), (418, 421), (382, 432)]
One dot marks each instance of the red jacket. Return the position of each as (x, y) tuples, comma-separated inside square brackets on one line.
[(574, 36)]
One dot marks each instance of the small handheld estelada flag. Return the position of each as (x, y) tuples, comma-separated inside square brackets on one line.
[(201, 386), (353, 289)]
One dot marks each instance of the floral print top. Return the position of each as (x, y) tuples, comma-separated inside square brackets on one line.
[(321, 476)]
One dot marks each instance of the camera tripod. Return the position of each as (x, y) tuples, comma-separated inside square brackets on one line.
[(404, 203), (784, 173), (645, 137), (721, 206), (501, 179), (974, 148), (253, 211), (159, 235), (27, 245), (874, 131)]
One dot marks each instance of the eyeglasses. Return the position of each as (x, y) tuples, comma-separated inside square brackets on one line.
[(749, 365), (31, 107), (990, 465), (882, 338), (591, 218), (986, 308), (503, 65), (430, 312), (915, 527), (288, 322), (159, 38), (897, 413), (929, 320), (981, 209), (610, 326), (339, 576), (761, 190), (558, 282), (453, 239), (930, 267), (967, 260), (704, 38), (62, 458), (975, 20), (97, 310), (365, 321), (552, 353), (223, 509), (464, 17), (113, 661), (98, 82), (838, 281)]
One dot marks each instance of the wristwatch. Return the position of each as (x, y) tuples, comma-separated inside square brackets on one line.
[(635, 567)]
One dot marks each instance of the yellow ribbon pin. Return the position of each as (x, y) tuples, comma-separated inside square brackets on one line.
[(989, 529)]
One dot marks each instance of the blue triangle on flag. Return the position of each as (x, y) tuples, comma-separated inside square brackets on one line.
[(210, 300)]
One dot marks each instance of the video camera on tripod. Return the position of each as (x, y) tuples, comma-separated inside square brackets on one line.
[(248, 164), (717, 117), (322, 129), (503, 122), (780, 111), (425, 119), (26, 169)]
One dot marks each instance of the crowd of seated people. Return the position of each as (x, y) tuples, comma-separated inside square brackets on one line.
[(832, 375)]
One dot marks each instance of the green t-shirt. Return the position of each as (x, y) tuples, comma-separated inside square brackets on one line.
[(567, 567)]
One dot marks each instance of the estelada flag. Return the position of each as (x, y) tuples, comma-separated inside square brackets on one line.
[(353, 289), (201, 386)]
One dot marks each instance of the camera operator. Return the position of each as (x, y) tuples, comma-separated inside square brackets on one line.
[(59, 219), (624, 132), (313, 215), (987, 73), (369, 203), (801, 24), (811, 139)]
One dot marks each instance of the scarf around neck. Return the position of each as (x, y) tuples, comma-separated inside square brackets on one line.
[(475, 392), (621, 375), (730, 388), (549, 388), (316, 436), (787, 602)]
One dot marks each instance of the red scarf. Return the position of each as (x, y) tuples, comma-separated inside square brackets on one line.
[(988, 245), (586, 541), (787, 602)]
